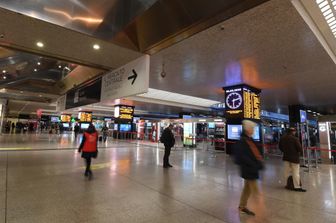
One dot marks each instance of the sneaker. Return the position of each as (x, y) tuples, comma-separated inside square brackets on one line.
[(170, 165), (300, 190), (246, 211)]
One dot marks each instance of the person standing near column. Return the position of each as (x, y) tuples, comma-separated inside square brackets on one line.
[(168, 139), (292, 149), (249, 158), (88, 147)]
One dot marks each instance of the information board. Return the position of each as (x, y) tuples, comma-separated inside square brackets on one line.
[(251, 104), (242, 101), (85, 116), (65, 118), (124, 113)]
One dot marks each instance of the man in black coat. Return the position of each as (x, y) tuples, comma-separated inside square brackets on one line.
[(249, 158), (292, 149), (168, 139)]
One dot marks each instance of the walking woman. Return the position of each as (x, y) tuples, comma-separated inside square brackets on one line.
[(249, 158), (88, 147)]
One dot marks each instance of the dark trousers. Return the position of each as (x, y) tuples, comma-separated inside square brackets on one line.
[(166, 156), (88, 164)]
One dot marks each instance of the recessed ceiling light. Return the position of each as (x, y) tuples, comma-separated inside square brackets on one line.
[(4, 71), (40, 44), (35, 70), (21, 92), (59, 66), (39, 63), (40, 95), (4, 77), (96, 46)]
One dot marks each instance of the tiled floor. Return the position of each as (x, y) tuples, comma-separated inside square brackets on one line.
[(130, 185)]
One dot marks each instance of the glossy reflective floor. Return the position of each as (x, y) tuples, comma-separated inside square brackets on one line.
[(130, 185)]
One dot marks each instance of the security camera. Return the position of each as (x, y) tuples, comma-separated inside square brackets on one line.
[(2, 36), (163, 74)]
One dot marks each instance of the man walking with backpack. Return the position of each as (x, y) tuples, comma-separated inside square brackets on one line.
[(168, 139), (292, 149)]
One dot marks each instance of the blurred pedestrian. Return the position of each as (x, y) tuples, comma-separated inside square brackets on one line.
[(249, 158), (76, 130), (88, 147), (105, 132)]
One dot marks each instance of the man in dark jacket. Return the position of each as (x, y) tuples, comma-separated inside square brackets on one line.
[(249, 158), (168, 139), (292, 149)]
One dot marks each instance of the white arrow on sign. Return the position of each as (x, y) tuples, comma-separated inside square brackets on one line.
[(130, 79)]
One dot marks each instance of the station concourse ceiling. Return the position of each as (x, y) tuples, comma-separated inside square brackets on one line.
[(267, 45)]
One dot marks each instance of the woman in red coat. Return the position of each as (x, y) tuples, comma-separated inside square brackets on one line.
[(88, 147)]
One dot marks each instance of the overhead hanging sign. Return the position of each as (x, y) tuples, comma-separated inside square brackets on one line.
[(85, 95), (130, 79)]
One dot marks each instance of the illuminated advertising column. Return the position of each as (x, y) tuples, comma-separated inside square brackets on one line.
[(241, 102)]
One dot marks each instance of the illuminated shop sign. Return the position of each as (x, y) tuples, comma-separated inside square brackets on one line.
[(242, 102), (85, 116)]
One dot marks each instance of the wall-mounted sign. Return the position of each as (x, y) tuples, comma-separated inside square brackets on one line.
[(124, 113), (242, 101), (85, 116), (65, 118)]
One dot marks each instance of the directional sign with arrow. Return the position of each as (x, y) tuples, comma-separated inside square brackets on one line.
[(130, 79), (134, 76)]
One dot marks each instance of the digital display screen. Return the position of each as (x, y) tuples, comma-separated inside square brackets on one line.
[(251, 104), (242, 101), (107, 119), (256, 133), (124, 112), (65, 118), (303, 116), (66, 125), (85, 125), (211, 125), (85, 116), (234, 131), (125, 128), (54, 119)]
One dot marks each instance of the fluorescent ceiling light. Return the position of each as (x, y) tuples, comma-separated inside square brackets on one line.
[(323, 4), (218, 120), (202, 120)]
